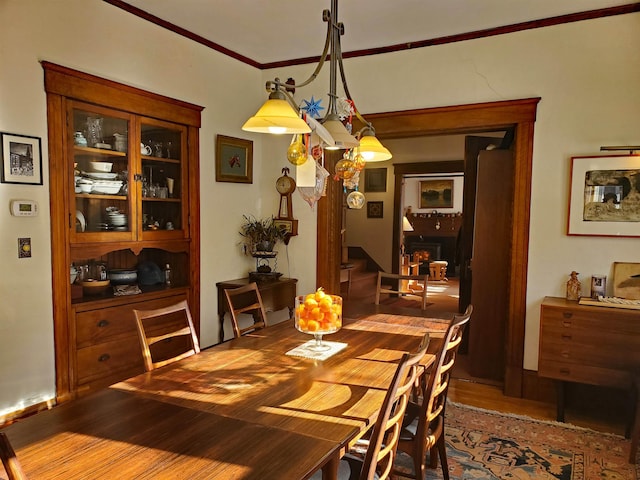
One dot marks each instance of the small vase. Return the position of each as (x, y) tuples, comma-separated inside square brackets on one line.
[(264, 246)]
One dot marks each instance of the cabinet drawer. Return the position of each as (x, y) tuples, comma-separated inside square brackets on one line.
[(96, 326), (592, 355), (108, 358), (603, 321), (573, 372)]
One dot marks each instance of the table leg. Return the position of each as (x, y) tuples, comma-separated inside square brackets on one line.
[(330, 469), (221, 333)]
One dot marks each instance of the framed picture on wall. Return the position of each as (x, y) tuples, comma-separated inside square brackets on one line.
[(604, 196), (436, 193), (375, 180), (21, 159), (374, 209), (234, 160)]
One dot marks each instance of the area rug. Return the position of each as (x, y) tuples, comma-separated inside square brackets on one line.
[(483, 444)]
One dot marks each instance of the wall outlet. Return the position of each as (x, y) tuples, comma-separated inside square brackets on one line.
[(24, 247)]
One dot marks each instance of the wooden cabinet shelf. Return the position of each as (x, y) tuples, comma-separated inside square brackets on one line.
[(152, 217)]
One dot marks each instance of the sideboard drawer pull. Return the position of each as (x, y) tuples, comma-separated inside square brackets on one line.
[(567, 314), (566, 336), (103, 323), (566, 324), (565, 371), (104, 357), (565, 353)]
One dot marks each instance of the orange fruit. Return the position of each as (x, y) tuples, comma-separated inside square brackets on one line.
[(313, 326), (325, 303), (310, 302)]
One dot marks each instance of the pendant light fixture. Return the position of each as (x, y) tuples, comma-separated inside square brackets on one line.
[(273, 117)]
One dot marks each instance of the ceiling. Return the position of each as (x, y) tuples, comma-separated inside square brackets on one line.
[(266, 32)]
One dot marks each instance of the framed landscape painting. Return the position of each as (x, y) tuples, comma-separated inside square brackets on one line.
[(436, 194), (604, 199)]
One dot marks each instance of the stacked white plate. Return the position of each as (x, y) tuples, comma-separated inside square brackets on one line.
[(110, 187)]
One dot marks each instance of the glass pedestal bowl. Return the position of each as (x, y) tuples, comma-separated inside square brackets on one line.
[(318, 314)]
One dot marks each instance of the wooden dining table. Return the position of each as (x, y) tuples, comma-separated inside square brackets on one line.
[(244, 409)]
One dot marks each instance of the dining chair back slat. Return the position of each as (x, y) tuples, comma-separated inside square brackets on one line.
[(148, 322)]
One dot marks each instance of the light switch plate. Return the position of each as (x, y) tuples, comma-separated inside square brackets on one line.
[(24, 247)]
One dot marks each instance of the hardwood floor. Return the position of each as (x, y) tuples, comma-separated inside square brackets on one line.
[(588, 412)]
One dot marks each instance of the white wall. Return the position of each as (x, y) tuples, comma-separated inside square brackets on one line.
[(587, 74)]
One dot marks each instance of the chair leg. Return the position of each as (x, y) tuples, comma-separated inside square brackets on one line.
[(442, 450)]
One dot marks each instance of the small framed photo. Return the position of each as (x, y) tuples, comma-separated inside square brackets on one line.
[(21, 159), (375, 180), (234, 160), (374, 209), (604, 196), (436, 194)]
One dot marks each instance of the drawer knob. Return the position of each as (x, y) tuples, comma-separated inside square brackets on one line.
[(567, 314), (565, 371), (104, 357), (566, 337), (103, 323), (566, 324), (565, 353)]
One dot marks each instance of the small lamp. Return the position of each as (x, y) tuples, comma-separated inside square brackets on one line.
[(370, 147), (276, 116)]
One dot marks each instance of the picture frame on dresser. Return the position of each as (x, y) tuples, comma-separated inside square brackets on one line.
[(21, 159), (604, 196), (234, 160)]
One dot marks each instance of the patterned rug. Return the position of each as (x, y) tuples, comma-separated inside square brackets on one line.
[(482, 444)]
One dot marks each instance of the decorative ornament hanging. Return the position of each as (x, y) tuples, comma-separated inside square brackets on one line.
[(358, 160), (352, 183), (345, 109), (355, 200), (297, 151), (311, 195), (312, 107), (344, 168)]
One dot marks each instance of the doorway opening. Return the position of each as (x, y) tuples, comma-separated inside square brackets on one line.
[(477, 118)]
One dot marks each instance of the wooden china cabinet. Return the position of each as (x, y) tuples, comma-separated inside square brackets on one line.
[(142, 210)]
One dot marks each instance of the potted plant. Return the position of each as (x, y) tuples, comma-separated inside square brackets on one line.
[(261, 235)]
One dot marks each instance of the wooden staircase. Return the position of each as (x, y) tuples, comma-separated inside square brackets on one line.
[(363, 282)]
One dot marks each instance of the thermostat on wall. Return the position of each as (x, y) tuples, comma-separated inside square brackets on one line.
[(24, 208)]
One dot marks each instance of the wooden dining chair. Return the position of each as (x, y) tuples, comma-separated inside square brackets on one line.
[(423, 426), (9, 460), (374, 456), (400, 285), (246, 300), (164, 325)]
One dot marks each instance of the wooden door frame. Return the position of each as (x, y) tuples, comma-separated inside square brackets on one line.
[(472, 118)]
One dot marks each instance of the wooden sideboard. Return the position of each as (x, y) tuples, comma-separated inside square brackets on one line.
[(587, 344), (276, 295)]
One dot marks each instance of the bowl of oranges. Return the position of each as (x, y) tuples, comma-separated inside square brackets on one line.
[(318, 314)]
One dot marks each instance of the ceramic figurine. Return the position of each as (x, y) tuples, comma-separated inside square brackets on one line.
[(574, 287)]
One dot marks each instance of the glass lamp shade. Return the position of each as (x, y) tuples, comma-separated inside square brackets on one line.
[(406, 225), (341, 136), (278, 117), (372, 150)]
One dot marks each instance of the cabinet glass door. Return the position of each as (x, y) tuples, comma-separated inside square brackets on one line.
[(100, 165), (163, 160)]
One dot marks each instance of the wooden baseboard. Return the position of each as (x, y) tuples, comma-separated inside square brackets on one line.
[(9, 418)]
